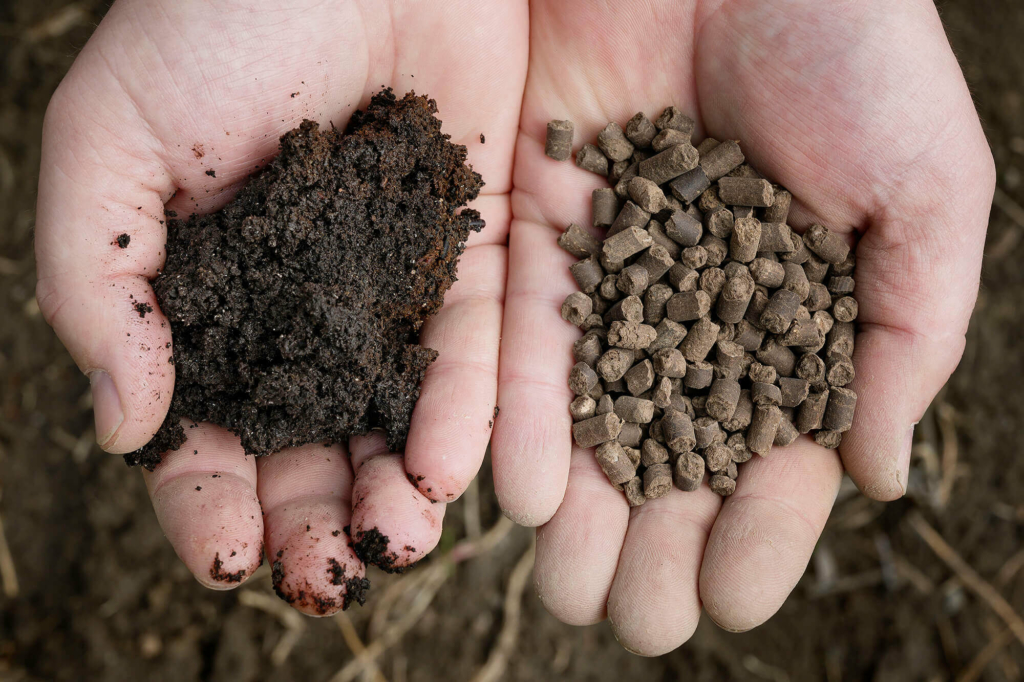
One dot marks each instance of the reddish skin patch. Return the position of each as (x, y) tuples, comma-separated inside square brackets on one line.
[(218, 573), (198, 150)]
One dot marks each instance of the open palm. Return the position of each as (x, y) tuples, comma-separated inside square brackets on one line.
[(165, 93), (860, 110)]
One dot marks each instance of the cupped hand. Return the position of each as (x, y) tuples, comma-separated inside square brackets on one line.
[(166, 92), (860, 110)]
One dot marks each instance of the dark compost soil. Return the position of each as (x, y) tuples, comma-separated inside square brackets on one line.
[(295, 310)]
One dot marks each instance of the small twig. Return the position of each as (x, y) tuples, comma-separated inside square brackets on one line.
[(950, 451), (497, 660), (57, 24), (8, 572), (1010, 569), (968, 576), (977, 666), (355, 643), (293, 621)]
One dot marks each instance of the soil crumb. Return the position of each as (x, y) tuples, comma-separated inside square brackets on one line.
[(296, 309), (218, 573), (372, 548), (123, 240), (142, 308)]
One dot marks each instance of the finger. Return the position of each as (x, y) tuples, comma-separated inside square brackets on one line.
[(454, 415), (654, 605), (306, 494), (393, 524), (531, 446), (765, 533), (578, 549), (205, 499)]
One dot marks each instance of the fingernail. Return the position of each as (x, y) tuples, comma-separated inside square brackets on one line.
[(106, 407)]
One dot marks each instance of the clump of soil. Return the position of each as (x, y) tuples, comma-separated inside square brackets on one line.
[(295, 310)]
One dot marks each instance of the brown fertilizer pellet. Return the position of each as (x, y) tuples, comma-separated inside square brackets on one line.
[(713, 330)]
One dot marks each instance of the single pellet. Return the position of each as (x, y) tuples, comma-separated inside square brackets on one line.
[(811, 412), (583, 407), (683, 278), (604, 207), (630, 435), (631, 335), (763, 427), (614, 364), (614, 461), (767, 273), (646, 195), (612, 141), (730, 359), (582, 378), (682, 404), (765, 394), (841, 286), (801, 333), (700, 340), (778, 212), (732, 471), (661, 238), (793, 391), (746, 192), (707, 432), (840, 339), (765, 374), (721, 159), (677, 430), (609, 289), (652, 452), (709, 201), (811, 368), (828, 439), (711, 282), (800, 254), (740, 452), (778, 314), (758, 302), (610, 266), (558, 144), (632, 409), (818, 297), (576, 307), (845, 309), (828, 245), (734, 299), (742, 415), (661, 396), (670, 334), (655, 299), (597, 430), (669, 164), (587, 273), (694, 257), (746, 235), (846, 267), (698, 403), (634, 490), (734, 269), (588, 349), (690, 185), (605, 405), (839, 412), (596, 392), (707, 145), (669, 138), (688, 471), (778, 356), (640, 131), (683, 229), (673, 118), (718, 456), (632, 280), (839, 370), (796, 281), (669, 362), (748, 336), (815, 268), (688, 305), (629, 241), (630, 215), (616, 171), (630, 309), (579, 242), (775, 238), (621, 187), (744, 212), (592, 159), (657, 481), (717, 249), (786, 433), (720, 222), (699, 375), (723, 398), (656, 262), (639, 378)]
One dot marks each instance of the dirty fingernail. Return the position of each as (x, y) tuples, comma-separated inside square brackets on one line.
[(106, 407)]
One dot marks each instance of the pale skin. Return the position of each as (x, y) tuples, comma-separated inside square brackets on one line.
[(859, 108)]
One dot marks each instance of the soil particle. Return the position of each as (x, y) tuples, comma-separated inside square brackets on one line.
[(482, 139), (212, 173), (371, 546), (142, 308), (123, 240), (218, 573), (296, 309)]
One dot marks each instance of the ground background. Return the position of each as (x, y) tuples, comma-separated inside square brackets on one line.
[(100, 594)]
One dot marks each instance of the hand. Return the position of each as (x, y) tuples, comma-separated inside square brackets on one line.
[(165, 91), (860, 110)]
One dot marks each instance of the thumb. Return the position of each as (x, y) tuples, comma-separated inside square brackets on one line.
[(99, 240)]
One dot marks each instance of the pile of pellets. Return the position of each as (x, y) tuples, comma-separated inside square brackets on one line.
[(712, 331)]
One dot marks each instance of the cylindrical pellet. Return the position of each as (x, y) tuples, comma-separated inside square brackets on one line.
[(604, 206), (723, 398), (829, 246), (839, 370), (591, 158), (661, 238), (640, 131), (775, 238), (846, 267), (811, 368), (582, 378), (818, 297), (636, 410), (828, 439), (673, 118), (758, 302), (742, 415), (796, 280), (639, 377), (631, 335), (793, 391), (614, 462), (763, 426), (800, 254), (630, 241), (711, 282), (694, 257), (630, 308), (688, 471), (811, 412), (656, 262), (690, 185), (588, 349), (670, 334), (699, 375), (612, 141), (605, 405), (740, 452), (815, 269), (717, 456), (688, 305), (735, 297), (767, 273), (634, 490), (632, 280), (746, 192), (677, 430), (839, 412), (786, 433), (734, 269), (630, 215), (841, 286), (845, 309), (801, 333), (647, 195), (584, 407), (778, 212), (762, 373), (729, 355), (657, 481), (669, 164), (706, 145), (700, 340), (579, 242), (683, 229), (587, 273), (746, 235), (614, 363), (720, 222), (707, 431), (558, 144), (661, 396), (668, 138), (840, 339), (683, 278), (669, 362), (765, 394), (717, 249), (655, 299), (576, 307), (748, 336), (597, 430), (721, 159), (630, 435), (778, 314), (778, 356), (653, 452)]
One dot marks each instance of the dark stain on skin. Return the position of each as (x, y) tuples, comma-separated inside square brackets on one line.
[(371, 546), (218, 573)]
